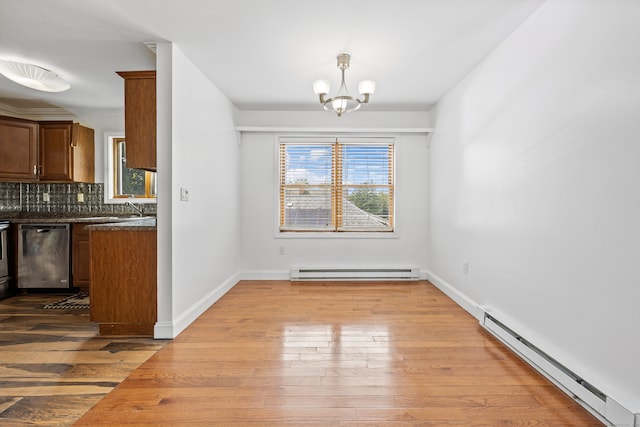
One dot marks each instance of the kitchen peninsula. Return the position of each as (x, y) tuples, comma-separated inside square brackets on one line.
[(123, 277)]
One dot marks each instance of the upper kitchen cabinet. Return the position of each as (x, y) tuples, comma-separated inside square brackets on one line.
[(66, 152), (140, 118), (18, 149), (83, 148)]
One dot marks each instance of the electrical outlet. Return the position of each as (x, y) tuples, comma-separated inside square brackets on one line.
[(45, 197), (281, 250), (80, 197), (465, 267), (184, 194)]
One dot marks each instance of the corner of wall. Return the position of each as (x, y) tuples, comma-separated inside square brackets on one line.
[(171, 329), (458, 297)]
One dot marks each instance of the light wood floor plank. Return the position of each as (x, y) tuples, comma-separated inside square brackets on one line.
[(336, 354)]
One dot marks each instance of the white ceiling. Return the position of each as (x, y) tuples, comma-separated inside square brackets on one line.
[(263, 54)]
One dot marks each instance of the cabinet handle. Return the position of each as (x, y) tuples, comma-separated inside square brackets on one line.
[(35, 169)]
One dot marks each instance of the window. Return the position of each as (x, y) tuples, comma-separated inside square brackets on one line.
[(126, 183), (336, 186), (131, 182)]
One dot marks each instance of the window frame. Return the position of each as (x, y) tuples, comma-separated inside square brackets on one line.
[(110, 196), (334, 232)]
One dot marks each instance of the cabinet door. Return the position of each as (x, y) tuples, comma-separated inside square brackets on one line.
[(18, 149), (83, 153), (140, 118), (80, 256), (55, 151)]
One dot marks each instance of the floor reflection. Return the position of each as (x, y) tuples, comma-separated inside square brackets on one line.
[(345, 351)]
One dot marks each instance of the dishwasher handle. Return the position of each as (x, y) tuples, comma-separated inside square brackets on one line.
[(43, 226)]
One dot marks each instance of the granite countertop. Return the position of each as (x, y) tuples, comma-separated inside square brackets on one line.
[(136, 224), (106, 221)]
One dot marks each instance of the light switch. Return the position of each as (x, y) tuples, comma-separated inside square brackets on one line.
[(184, 194)]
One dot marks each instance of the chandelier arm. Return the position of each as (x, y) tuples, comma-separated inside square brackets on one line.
[(343, 85), (348, 97)]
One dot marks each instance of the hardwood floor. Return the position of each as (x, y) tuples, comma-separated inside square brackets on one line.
[(356, 354), (53, 366)]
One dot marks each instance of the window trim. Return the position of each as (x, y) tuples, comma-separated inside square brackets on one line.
[(335, 234), (109, 177)]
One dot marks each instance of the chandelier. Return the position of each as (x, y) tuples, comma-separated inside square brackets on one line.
[(343, 103), (33, 76)]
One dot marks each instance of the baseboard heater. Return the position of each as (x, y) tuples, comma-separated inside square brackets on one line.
[(595, 401), (337, 274)]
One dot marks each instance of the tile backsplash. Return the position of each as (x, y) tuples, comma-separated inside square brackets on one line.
[(73, 198)]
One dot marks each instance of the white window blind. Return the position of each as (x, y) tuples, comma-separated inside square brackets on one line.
[(336, 186)]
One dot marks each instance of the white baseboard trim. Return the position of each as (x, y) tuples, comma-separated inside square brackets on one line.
[(458, 297), (265, 275), (170, 330)]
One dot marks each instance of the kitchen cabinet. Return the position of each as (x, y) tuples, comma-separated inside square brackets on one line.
[(80, 260), (51, 151), (66, 152), (123, 281), (18, 149), (140, 118)]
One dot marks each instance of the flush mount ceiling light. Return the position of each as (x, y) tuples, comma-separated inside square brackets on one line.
[(343, 103), (32, 76)]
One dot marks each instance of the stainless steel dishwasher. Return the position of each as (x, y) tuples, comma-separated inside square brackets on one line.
[(43, 256)]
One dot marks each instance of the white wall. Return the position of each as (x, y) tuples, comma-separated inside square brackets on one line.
[(198, 239), (102, 122), (534, 172), (259, 199)]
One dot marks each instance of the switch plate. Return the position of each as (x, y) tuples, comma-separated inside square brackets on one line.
[(465, 267), (184, 194)]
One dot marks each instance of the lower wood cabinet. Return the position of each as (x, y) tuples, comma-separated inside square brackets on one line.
[(80, 277), (123, 281)]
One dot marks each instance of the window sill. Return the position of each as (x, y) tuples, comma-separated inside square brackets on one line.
[(336, 235), (122, 201)]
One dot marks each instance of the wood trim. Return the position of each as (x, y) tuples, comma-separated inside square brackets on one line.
[(129, 329), (137, 74)]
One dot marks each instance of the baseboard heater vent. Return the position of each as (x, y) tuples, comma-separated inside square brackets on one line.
[(337, 274), (594, 400)]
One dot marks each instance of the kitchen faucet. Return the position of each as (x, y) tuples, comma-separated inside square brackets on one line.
[(137, 207)]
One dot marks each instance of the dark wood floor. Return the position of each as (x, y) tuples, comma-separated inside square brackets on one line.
[(383, 354), (53, 366)]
